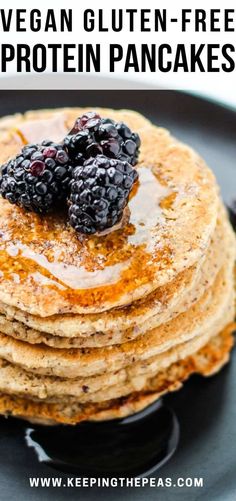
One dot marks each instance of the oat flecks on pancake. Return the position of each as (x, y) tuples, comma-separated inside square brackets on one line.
[(98, 328)]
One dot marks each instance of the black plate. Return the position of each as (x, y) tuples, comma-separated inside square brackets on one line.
[(206, 409)]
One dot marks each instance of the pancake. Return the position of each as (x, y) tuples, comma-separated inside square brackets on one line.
[(207, 361), (206, 313), (173, 216), (166, 303)]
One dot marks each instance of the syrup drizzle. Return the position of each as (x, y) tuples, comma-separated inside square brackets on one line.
[(84, 269), (32, 131), (144, 214)]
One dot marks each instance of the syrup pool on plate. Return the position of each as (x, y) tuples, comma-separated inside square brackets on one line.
[(130, 447)]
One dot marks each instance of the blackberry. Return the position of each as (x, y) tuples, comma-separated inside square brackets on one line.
[(93, 135), (38, 177), (99, 193)]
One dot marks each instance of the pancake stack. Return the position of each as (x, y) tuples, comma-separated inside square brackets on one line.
[(98, 327)]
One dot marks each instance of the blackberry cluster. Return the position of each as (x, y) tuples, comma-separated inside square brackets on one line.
[(92, 170), (93, 135), (38, 177), (99, 193)]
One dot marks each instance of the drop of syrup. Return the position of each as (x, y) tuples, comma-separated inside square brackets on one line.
[(130, 447)]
